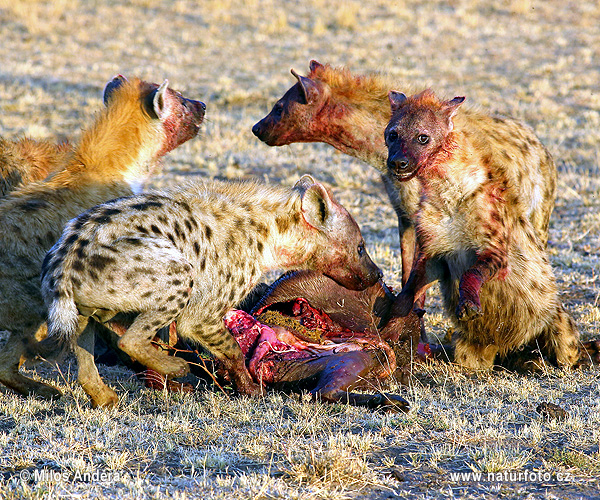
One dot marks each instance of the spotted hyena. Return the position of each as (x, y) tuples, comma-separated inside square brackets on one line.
[(474, 230), (188, 256), (26, 160), (141, 122), (350, 112)]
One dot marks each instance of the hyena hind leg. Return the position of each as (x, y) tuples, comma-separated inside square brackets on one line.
[(137, 343), (87, 372), (11, 357), (474, 356), (560, 341)]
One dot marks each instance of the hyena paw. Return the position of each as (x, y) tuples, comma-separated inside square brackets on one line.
[(249, 387), (468, 310), (389, 403), (173, 367), (105, 399)]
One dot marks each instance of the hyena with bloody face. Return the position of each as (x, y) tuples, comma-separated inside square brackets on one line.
[(350, 112), (188, 256), (141, 122), (474, 232), (25, 160)]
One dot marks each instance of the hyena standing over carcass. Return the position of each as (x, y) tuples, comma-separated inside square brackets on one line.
[(188, 256), (350, 112), (141, 123), (474, 231)]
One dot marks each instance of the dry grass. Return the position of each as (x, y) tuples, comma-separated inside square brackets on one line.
[(533, 60)]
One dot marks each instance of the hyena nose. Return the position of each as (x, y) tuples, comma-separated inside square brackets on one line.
[(398, 163), (256, 130), (197, 108)]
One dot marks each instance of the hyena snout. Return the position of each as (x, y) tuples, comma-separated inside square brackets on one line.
[(265, 130), (258, 129), (399, 164), (369, 275), (185, 122), (357, 276), (261, 130), (195, 110)]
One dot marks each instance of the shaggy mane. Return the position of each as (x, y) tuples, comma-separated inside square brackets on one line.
[(368, 91)]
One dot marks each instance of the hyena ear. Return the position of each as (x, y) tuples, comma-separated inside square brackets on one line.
[(161, 102), (305, 182), (310, 89), (111, 86), (396, 99), (317, 206), (315, 66), (449, 108)]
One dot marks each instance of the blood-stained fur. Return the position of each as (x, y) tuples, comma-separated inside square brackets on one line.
[(474, 230), (350, 112), (189, 255), (141, 122)]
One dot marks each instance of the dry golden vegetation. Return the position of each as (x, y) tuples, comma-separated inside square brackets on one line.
[(535, 60)]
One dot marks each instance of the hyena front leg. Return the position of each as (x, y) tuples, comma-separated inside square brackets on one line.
[(87, 372), (425, 271), (487, 265), (224, 347)]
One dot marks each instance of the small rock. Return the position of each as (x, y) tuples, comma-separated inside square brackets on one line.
[(550, 411)]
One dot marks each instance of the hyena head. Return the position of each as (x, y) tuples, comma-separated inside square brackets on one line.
[(180, 118), (417, 131), (340, 248), (292, 117)]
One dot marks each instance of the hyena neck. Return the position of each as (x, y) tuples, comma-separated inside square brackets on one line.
[(288, 244), (121, 146), (357, 113), (358, 133), (454, 172)]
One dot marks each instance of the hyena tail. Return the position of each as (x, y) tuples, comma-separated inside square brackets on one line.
[(63, 318), (63, 328)]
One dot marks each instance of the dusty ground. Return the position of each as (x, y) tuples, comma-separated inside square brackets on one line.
[(537, 61)]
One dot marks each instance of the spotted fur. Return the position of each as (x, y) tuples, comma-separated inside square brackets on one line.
[(119, 150), (474, 231), (188, 256)]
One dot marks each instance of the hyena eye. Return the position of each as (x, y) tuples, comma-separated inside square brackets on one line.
[(392, 136), (423, 138), (361, 249), (278, 110)]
